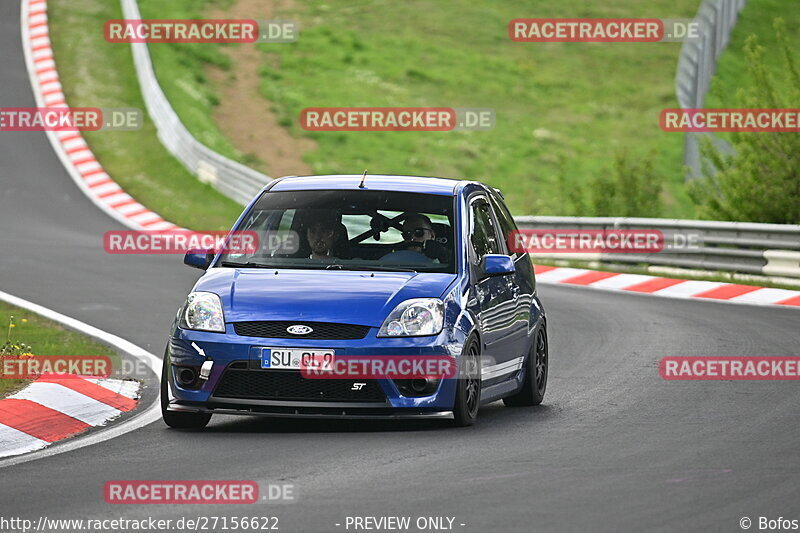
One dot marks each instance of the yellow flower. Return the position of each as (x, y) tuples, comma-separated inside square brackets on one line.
[(12, 325), (24, 320)]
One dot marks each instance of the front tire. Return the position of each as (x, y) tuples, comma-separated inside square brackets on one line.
[(176, 419), (468, 390), (536, 366)]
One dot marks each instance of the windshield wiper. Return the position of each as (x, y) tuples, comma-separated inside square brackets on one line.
[(334, 266), (249, 264), (381, 269)]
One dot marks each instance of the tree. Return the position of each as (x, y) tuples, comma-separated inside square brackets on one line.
[(760, 180), (629, 189)]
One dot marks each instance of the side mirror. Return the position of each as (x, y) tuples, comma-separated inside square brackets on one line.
[(496, 265), (198, 258)]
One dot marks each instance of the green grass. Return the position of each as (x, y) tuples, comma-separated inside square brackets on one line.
[(573, 101), (45, 338), (96, 73), (576, 102), (181, 73), (756, 19)]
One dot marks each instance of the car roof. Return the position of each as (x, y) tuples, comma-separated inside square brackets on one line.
[(374, 182)]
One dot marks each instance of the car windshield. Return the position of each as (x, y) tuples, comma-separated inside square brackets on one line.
[(349, 230)]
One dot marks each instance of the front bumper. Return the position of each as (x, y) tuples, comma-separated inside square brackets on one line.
[(231, 351)]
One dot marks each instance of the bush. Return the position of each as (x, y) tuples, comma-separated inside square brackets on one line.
[(760, 180), (630, 189)]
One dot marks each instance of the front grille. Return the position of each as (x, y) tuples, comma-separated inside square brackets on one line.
[(238, 383), (321, 330)]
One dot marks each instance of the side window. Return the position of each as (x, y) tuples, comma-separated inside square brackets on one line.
[(507, 224), (483, 236)]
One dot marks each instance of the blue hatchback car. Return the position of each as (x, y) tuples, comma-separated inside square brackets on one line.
[(351, 265)]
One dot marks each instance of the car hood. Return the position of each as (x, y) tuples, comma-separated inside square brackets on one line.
[(363, 298)]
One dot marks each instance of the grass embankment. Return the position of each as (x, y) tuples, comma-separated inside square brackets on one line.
[(180, 71), (572, 102), (96, 73), (45, 338), (575, 103)]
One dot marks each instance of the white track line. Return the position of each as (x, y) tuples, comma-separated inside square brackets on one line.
[(558, 274), (688, 289), (18, 442), (129, 389), (620, 281), (765, 296), (137, 421), (683, 289), (68, 402)]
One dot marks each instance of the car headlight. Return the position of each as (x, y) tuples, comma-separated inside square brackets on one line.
[(414, 318), (203, 312)]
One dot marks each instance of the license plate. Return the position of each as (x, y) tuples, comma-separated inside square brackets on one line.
[(296, 358)]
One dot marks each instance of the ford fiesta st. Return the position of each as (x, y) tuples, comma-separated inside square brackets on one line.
[(379, 266)]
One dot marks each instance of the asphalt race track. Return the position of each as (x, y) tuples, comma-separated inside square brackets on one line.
[(614, 448)]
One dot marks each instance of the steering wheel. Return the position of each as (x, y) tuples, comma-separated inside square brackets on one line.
[(405, 245), (431, 249)]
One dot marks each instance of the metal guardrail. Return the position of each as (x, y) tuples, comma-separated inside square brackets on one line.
[(696, 67), (231, 178), (765, 249)]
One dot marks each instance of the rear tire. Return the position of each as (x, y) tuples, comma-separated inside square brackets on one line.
[(176, 419), (535, 385), (468, 390)]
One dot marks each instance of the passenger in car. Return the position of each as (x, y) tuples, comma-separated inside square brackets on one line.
[(417, 229), (419, 244)]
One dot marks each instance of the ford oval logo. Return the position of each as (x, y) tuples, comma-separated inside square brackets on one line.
[(299, 329)]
